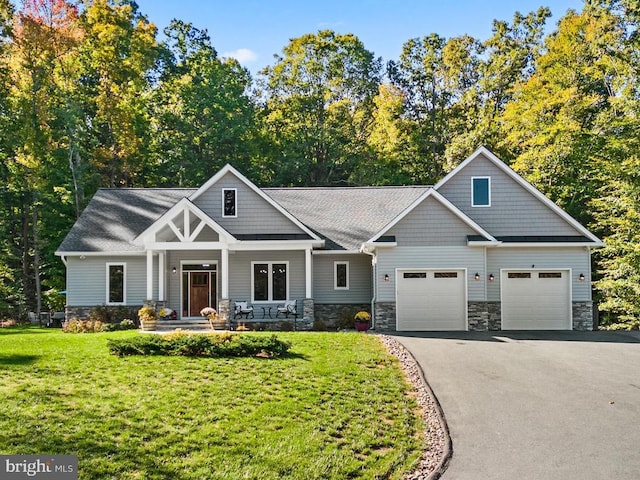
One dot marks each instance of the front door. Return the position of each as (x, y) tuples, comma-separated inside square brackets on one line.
[(198, 290)]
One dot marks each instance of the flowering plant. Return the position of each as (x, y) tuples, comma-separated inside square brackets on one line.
[(165, 312), (362, 316), (209, 312)]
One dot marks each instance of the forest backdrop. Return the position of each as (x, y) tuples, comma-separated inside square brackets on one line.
[(92, 95)]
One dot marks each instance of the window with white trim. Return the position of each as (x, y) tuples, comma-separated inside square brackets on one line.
[(116, 283), (481, 191), (270, 281), (341, 275), (229, 202)]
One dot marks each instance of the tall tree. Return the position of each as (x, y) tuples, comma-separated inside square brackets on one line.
[(117, 55), (202, 117), (319, 97)]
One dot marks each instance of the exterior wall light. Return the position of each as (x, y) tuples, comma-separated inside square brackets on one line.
[(581, 277), (386, 277), (174, 270), (476, 277), (491, 277)]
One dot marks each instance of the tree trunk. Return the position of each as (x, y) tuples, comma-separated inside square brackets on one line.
[(36, 261)]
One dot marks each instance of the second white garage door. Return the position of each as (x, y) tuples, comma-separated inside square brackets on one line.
[(536, 300), (431, 300)]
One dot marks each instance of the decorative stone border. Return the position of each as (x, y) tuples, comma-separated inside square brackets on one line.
[(435, 457)]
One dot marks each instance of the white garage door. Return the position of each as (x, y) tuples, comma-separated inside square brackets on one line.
[(536, 300), (431, 300)]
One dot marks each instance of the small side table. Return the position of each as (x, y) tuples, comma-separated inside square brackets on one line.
[(266, 311)]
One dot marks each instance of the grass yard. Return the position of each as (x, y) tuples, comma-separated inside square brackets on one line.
[(336, 408)]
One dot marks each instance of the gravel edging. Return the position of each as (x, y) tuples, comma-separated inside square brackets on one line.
[(435, 458)]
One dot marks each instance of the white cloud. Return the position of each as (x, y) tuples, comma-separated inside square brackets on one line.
[(243, 55)]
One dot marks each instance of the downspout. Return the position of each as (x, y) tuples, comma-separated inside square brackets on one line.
[(374, 274)]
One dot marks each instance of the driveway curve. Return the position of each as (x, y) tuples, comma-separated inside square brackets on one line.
[(536, 405)]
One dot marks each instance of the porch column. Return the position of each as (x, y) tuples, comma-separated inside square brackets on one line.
[(149, 274), (161, 274), (224, 273), (308, 272)]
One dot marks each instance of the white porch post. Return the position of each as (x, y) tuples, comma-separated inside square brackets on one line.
[(224, 273), (161, 275), (307, 271), (149, 274)]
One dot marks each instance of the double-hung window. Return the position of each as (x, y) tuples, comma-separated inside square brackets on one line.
[(481, 192), (116, 283), (341, 275), (270, 281)]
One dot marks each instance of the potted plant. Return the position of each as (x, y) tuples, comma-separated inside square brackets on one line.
[(215, 321), (362, 319), (148, 318), (166, 313)]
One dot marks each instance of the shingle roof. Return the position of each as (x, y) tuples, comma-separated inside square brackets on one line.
[(114, 217), (346, 216)]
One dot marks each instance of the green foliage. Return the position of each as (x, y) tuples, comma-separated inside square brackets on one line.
[(125, 324), (200, 345)]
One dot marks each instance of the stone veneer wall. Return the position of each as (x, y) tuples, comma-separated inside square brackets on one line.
[(334, 315), (583, 316), (82, 312), (385, 316), (482, 316)]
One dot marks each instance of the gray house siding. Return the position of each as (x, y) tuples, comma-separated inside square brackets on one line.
[(87, 279), (431, 224), (513, 210), (240, 273), (254, 214), (430, 257), (576, 258), (360, 288)]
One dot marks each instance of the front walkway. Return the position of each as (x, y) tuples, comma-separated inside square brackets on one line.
[(529, 405)]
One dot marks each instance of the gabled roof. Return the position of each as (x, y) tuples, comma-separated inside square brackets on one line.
[(345, 216), (229, 169), (116, 216), (526, 185), (446, 203)]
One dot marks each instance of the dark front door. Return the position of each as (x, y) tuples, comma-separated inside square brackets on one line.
[(200, 282), (198, 289)]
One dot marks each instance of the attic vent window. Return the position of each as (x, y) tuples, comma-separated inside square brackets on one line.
[(481, 192), (229, 202)]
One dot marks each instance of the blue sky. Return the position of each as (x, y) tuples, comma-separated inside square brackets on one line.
[(253, 31)]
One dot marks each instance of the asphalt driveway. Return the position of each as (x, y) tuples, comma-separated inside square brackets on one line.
[(530, 405)]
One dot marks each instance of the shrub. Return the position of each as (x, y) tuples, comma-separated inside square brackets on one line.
[(83, 326), (632, 325), (125, 324), (199, 345), (319, 326)]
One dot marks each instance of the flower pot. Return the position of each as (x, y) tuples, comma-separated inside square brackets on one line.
[(362, 326), (149, 325), (218, 323)]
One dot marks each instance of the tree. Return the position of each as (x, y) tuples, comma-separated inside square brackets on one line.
[(201, 115), (117, 55), (319, 98)]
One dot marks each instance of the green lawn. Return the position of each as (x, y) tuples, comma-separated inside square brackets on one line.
[(336, 408)]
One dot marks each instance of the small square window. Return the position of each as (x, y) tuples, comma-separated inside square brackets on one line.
[(481, 192), (229, 202)]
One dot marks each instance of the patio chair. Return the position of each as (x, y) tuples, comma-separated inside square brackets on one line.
[(242, 308), (289, 308), (33, 318)]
